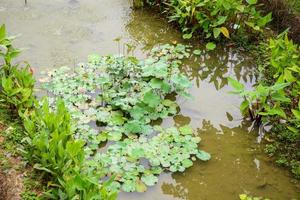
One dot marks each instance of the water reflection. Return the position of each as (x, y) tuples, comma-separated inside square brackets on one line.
[(149, 31), (213, 67), (238, 164), (237, 167)]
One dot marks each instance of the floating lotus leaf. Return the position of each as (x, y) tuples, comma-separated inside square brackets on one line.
[(123, 95)]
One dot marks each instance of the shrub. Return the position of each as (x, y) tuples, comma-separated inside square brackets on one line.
[(215, 18), (275, 100)]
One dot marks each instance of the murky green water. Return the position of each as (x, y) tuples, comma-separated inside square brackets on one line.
[(64, 32)]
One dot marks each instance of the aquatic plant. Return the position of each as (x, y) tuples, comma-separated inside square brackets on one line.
[(47, 143), (137, 162), (123, 96), (275, 100), (216, 19)]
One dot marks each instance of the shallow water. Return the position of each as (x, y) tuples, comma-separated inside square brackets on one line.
[(61, 32)]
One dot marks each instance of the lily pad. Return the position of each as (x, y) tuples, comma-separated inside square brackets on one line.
[(202, 155)]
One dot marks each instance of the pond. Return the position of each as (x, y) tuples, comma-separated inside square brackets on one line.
[(65, 32)]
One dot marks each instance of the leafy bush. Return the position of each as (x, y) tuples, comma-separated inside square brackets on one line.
[(275, 100), (54, 151), (16, 89), (215, 18), (48, 142)]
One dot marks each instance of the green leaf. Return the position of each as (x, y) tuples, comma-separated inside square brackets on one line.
[(181, 81), (156, 83), (2, 32), (243, 197), (279, 86), (221, 20), (251, 2), (186, 130), (117, 118), (149, 180), (202, 155), (115, 136), (244, 106), (235, 84), (129, 186), (151, 99), (102, 137), (187, 163), (262, 21), (296, 113), (210, 46), (187, 36), (137, 153), (217, 32), (140, 186), (137, 112), (197, 52)]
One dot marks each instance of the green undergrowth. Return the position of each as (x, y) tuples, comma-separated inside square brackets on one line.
[(275, 100), (114, 100), (214, 20), (43, 136), (12, 133), (294, 5)]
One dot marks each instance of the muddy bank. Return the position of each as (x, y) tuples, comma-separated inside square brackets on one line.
[(10, 185)]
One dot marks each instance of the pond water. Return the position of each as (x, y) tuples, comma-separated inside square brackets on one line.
[(65, 32)]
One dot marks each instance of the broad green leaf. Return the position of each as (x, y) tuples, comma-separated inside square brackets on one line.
[(186, 130), (235, 84), (279, 86), (202, 155), (262, 21), (149, 179), (187, 163), (210, 46), (129, 186), (133, 126), (221, 20), (181, 81), (151, 99), (251, 2)]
